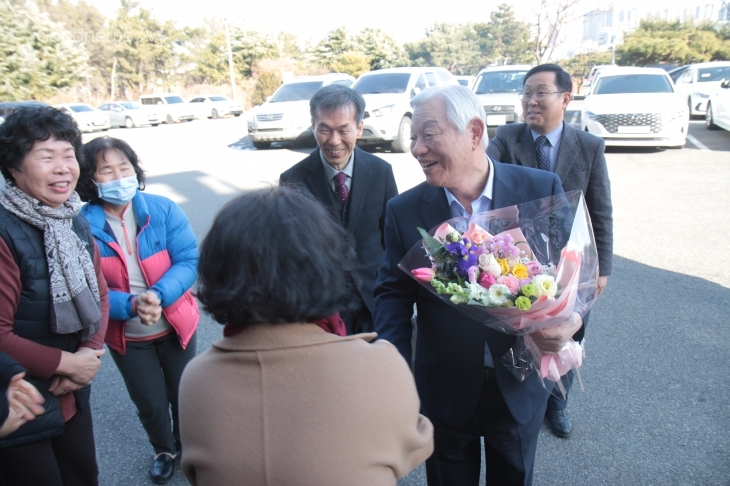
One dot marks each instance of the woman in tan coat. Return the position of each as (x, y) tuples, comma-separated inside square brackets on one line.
[(278, 400)]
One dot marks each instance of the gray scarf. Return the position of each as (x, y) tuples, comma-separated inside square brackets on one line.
[(74, 289)]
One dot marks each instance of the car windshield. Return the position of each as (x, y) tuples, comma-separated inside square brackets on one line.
[(296, 92), (171, 100), (500, 82), (705, 75), (382, 83), (633, 83), (81, 108), (218, 98), (131, 106)]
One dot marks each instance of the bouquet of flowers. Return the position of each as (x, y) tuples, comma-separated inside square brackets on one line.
[(533, 269)]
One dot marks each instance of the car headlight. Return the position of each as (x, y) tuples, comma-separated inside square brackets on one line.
[(383, 110), (697, 94), (677, 115)]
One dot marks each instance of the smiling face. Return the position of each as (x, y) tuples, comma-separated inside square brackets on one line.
[(445, 155), (544, 116), (48, 172), (336, 132)]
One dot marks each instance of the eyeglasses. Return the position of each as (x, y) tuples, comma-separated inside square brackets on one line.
[(539, 96)]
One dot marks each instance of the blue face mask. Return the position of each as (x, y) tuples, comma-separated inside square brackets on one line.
[(119, 191)]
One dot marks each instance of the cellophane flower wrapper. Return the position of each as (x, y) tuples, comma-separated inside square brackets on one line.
[(552, 236)]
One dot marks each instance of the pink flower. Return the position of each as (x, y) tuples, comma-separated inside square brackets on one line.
[(423, 274), (486, 280), (534, 268), (511, 282), (476, 234)]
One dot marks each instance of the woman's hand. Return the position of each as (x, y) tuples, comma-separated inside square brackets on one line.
[(62, 385), (148, 307), (80, 366), (552, 340), (24, 403)]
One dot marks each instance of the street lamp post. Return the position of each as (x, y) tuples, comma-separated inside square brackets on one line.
[(230, 62)]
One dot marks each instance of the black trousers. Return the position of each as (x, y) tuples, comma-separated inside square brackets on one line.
[(509, 447), (68, 459), (152, 371)]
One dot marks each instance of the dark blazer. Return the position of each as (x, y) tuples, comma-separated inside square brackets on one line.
[(373, 185), (449, 366), (581, 165)]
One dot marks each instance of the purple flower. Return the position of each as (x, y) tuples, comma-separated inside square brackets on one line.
[(473, 273), (465, 257)]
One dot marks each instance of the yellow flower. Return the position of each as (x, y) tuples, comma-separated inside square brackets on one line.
[(520, 271), (503, 265)]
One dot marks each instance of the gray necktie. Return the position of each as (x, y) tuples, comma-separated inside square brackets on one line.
[(541, 145)]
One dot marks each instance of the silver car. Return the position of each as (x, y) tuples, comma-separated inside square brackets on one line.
[(215, 106), (130, 114)]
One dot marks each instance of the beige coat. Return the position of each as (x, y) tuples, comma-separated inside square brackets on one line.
[(289, 404)]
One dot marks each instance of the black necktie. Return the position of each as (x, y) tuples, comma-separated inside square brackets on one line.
[(541, 145)]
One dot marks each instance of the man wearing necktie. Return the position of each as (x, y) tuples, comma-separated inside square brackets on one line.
[(354, 185), (544, 141)]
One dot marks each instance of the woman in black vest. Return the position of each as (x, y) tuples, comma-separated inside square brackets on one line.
[(53, 298)]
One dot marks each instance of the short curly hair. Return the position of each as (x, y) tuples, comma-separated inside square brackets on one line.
[(275, 256), (31, 124), (98, 148)]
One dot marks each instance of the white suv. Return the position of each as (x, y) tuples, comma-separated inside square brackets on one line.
[(499, 88), (639, 107), (388, 94), (285, 115), (700, 81)]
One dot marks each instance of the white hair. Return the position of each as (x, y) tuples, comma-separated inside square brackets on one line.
[(462, 106)]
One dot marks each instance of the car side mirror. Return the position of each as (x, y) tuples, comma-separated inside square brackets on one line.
[(725, 84), (579, 97)]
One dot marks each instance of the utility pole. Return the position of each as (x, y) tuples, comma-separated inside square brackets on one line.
[(230, 62), (114, 73)]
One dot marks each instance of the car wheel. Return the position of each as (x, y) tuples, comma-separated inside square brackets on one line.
[(261, 145), (236, 114), (128, 122), (154, 124), (403, 142), (168, 119), (709, 122), (214, 114)]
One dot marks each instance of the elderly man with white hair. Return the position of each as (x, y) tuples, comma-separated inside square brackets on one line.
[(464, 389)]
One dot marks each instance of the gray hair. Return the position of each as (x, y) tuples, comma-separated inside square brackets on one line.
[(335, 96), (462, 106)]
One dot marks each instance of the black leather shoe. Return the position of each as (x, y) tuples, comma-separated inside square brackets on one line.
[(162, 468), (559, 422)]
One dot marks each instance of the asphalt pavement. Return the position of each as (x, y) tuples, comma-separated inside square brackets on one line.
[(656, 405)]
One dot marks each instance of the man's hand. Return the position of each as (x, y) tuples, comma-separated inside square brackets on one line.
[(552, 340), (148, 307), (80, 366), (602, 281)]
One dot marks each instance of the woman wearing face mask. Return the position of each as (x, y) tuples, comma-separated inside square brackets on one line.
[(149, 258)]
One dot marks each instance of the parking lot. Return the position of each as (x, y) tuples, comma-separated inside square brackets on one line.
[(655, 407)]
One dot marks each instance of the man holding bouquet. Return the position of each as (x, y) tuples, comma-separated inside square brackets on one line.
[(464, 389)]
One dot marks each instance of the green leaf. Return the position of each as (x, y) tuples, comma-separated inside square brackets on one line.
[(431, 244)]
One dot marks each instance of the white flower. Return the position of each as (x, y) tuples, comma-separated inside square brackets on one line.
[(545, 285), (488, 264), (478, 293), (498, 294)]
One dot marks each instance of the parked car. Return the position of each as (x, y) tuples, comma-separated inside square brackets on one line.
[(498, 88), (170, 106), (718, 108), (595, 70), (388, 94), (632, 106), (467, 81), (88, 118), (699, 81), (131, 114), (9, 107), (285, 115), (677, 72), (215, 106)]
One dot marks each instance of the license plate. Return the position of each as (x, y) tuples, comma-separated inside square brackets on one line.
[(639, 129), (496, 120)]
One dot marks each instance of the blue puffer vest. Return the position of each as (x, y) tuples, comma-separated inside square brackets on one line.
[(32, 318)]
